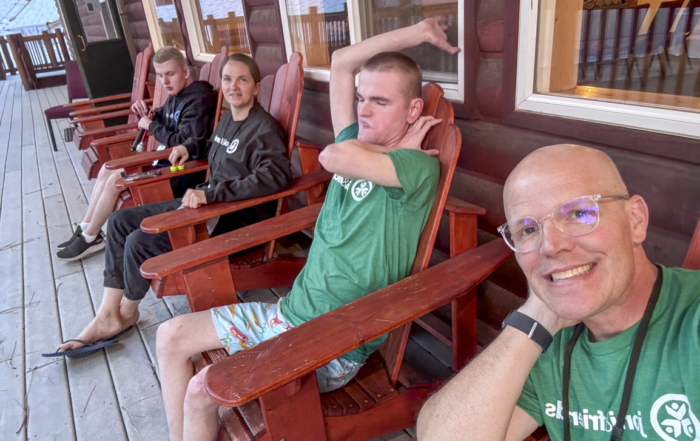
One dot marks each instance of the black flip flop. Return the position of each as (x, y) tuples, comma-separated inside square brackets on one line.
[(88, 348)]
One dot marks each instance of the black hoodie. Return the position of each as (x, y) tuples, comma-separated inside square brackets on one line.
[(186, 119), (247, 158)]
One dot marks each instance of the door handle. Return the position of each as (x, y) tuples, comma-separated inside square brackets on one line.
[(83, 41)]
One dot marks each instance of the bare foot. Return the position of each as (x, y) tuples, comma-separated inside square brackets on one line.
[(101, 327)]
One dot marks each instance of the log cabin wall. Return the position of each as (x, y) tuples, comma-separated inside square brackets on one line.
[(138, 23)]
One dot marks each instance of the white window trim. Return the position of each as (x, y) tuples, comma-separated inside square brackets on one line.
[(635, 116), (453, 92), (152, 20)]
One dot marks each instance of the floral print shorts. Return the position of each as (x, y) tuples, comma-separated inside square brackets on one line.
[(244, 325)]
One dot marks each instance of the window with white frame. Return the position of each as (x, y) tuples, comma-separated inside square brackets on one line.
[(215, 24), (163, 24), (633, 63), (316, 28)]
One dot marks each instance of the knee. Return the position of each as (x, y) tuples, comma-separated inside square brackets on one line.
[(197, 397), (167, 338), (116, 222)]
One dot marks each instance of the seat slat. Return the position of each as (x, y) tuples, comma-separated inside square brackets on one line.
[(234, 424), (350, 407), (252, 414), (374, 379)]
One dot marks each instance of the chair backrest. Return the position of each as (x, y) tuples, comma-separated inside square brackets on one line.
[(285, 102), (138, 86), (447, 138), (210, 71), (159, 98), (74, 82), (692, 258), (265, 94)]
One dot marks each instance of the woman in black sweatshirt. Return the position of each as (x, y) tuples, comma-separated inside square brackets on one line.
[(247, 159)]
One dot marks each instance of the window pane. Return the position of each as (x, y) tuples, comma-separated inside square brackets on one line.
[(380, 16), (642, 51), (96, 19), (318, 28), (222, 24), (168, 24)]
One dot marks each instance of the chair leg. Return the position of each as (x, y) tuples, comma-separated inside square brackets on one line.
[(53, 139)]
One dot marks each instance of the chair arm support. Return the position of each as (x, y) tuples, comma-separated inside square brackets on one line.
[(233, 242), (454, 205), (192, 216), (166, 173), (140, 159), (101, 117), (104, 99), (111, 130), (303, 349), (114, 139), (306, 144)]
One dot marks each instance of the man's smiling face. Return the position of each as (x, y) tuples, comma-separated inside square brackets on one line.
[(576, 277)]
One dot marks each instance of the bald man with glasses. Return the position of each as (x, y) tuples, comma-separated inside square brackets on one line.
[(607, 345)]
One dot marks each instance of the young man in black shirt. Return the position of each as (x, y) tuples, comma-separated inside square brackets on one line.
[(184, 122)]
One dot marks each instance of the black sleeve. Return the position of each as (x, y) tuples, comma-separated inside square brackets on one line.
[(271, 172), (192, 130)]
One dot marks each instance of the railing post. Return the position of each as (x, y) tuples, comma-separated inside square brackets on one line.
[(11, 69)]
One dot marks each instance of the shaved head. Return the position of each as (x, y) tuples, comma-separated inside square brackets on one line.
[(581, 169), (590, 276)]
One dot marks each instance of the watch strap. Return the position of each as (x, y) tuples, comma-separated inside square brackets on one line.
[(531, 327)]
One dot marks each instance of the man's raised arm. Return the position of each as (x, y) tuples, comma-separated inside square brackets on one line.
[(347, 62)]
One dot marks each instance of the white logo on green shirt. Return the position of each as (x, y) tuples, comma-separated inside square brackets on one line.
[(360, 189), (673, 420)]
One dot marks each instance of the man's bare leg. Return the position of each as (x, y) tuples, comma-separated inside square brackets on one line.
[(177, 340), (115, 314), (96, 192), (104, 205)]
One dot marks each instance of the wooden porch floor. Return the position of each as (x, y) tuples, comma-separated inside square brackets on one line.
[(112, 395)]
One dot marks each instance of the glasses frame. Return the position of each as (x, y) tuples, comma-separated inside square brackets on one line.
[(594, 197)]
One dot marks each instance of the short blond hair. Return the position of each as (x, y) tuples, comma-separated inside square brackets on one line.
[(168, 53)]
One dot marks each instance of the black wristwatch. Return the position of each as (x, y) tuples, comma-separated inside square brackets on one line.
[(534, 330)]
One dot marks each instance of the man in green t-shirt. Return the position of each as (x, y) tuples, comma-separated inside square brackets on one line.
[(577, 236), (366, 235)]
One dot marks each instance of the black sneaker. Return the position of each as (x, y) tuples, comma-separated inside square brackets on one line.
[(79, 248), (78, 231)]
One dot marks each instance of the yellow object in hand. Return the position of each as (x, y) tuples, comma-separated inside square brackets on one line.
[(173, 168), (180, 167)]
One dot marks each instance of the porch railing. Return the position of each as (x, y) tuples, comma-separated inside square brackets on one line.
[(7, 64), (228, 31), (38, 55)]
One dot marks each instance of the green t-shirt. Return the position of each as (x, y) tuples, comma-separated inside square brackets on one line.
[(365, 238), (665, 400)]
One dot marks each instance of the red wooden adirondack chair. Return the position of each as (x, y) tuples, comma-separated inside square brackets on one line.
[(118, 145), (387, 394), (90, 121), (692, 258), (283, 100)]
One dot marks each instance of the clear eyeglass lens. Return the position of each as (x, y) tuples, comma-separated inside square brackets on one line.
[(523, 233), (576, 217)]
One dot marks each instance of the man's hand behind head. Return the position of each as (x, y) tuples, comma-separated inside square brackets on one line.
[(417, 132), (434, 33)]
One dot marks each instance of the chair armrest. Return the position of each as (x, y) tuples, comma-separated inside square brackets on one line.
[(303, 349), (192, 216), (114, 139), (102, 109), (165, 173), (104, 99), (306, 144), (454, 205), (101, 117), (111, 130), (229, 243), (140, 159)]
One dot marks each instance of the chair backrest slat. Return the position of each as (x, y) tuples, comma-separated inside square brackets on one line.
[(286, 96), (692, 258), (138, 87)]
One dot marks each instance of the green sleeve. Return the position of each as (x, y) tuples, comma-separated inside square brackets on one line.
[(529, 403), (350, 132), (418, 174)]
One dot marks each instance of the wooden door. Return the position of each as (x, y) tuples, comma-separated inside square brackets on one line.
[(95, 31)]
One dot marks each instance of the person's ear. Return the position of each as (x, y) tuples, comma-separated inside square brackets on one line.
[(187, 72), (257, 89), (638, 216), (415, 108)]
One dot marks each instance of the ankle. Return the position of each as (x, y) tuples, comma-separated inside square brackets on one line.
[(89, 238), (84, 225)]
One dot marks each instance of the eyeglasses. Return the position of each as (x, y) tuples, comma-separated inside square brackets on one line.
[(574, 218)]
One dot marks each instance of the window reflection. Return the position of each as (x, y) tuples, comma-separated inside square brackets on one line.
[(318, 28), (645, 51), (380, 16), (222, 24), (168, 24)]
